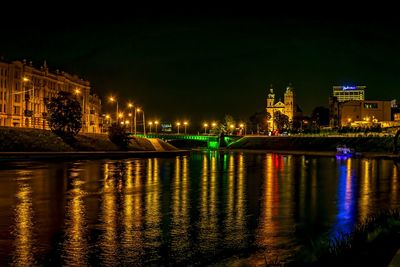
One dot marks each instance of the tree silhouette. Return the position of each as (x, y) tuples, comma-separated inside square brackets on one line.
[(281, 121), (64, 115)]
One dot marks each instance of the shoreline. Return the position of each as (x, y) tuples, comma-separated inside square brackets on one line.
[(381, 155), (11, 156)]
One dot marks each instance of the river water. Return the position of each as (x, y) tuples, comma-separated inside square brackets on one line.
[(203, 209)]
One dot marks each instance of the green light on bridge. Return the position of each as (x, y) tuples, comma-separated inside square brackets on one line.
[(213, 144)]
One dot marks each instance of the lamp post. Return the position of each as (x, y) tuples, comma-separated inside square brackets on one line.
[(213, 126), (178, 124), (232, 127), (156, 123), (205, 128), (150, 124), (25, 79), (130, 106), (108, 117), (185, 124), (78, 93), (112, 99), (144, 124)]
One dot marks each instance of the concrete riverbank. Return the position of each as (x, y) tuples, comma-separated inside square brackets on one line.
[(7, 156), (321, 144)]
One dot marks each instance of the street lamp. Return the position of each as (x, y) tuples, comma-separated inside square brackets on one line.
[(156, 123), (232, 127), (25, 79), (120, 115), (144, 121), (134, 118), (130, 106), (77, 93), (178, 124), (112, 99), (150, 124), (108, 117), (205, 128), (241, 128), (185, 124), (214, 124)]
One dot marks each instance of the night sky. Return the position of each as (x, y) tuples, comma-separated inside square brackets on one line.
[(199, 64)]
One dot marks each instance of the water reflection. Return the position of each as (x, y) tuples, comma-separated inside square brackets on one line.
[(346, 200), (180, 236), (152, 214), (208, 232), (266, 232), (192, 210), (113, 173), (23, 227), (75, 246)]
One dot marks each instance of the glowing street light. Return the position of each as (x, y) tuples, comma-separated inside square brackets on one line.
[(241, 126), (112, 99), (232, 127), (150, 124), (108, 117), (178, 124), (130, 106), (205, 127), (156, 123), (185, 123), (25, 80)]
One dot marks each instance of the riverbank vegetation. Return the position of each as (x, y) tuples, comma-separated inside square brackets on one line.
[(37, 140), (372, 243)]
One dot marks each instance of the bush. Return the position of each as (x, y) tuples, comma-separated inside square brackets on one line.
[(119, 136)]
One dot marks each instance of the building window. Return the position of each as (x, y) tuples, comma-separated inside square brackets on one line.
[(17, 98), (16, 110), (371, 105)]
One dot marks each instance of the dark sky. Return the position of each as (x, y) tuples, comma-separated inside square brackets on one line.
[(201, 64)]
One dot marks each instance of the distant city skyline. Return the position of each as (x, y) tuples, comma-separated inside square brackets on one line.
[(178, 66)]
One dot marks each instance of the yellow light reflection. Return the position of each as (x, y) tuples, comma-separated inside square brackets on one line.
[(132, 216), (180, 243), (266, 232), (365, 189), (208, 236), (108, 212), (23, 225), (152, 234), (75, 242), (394, 187)]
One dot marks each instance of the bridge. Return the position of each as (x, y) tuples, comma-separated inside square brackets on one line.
[(211, 140)]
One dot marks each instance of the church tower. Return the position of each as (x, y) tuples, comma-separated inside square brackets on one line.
[(290, 102), (271, 98)]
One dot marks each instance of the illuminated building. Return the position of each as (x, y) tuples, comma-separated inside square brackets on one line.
[(24, 91), (342, 94), (347, 93), (288, 107), (364, 112)]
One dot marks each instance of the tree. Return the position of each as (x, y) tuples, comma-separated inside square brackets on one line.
[(320, 115), (259, 120), (281, 121), (64, 115), (229, 120), (119, 136)]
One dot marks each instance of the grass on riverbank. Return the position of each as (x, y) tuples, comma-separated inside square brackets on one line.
[(37, 140), (372, 243)]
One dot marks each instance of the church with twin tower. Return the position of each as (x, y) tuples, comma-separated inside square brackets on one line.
[(287, 107)]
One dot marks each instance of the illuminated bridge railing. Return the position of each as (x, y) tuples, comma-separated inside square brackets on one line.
[(212, 140)]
